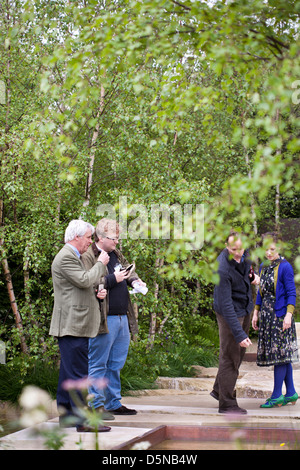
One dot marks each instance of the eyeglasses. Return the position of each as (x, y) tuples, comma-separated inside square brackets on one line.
[(113, 239)]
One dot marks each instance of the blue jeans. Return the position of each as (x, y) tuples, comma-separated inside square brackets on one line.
[(107, 356)]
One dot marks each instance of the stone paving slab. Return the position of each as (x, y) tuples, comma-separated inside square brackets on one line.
[(186, 409), (182, 401), (253, 381), (31, 439)]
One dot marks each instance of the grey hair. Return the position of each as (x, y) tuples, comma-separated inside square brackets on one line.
[(77, 228)]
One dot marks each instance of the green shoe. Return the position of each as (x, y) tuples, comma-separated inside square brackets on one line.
[(271, 402), (291, 399)]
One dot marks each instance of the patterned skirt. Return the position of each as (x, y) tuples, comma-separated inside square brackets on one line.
[(274, 345)]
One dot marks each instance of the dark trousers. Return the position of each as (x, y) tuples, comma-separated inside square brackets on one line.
[(73, 365), (230, 358)]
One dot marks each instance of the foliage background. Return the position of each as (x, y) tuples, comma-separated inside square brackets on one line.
[(169, 102)]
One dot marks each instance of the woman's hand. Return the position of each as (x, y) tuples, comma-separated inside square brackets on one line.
[(255, 320), (287, 321)]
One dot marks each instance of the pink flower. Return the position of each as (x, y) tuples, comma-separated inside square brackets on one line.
[(83, 384), (100, 383)]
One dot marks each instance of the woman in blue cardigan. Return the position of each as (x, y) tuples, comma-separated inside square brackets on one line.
[(277, 340)]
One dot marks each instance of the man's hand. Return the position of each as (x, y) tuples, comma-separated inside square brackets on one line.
[(256, 280), (102, 294), (103, 257), (139, 281), (245, 343), (121, 275)]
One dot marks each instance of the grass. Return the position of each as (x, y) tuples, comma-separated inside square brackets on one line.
[(141, 369), (13, 379)]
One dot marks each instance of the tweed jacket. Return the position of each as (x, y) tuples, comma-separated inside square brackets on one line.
[(76, 310), (89, 258)]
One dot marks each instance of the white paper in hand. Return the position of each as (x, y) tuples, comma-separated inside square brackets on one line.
[(138, 289)]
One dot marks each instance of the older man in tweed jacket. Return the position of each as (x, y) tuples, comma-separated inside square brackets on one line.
[(76, 313)]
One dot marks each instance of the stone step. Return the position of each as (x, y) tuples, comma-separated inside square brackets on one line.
[(253, 381), (189, 384)]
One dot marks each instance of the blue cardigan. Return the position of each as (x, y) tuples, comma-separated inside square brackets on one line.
[(285, 290)]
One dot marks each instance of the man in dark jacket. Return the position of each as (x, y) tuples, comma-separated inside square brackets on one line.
[(233, 305), (108, 350)]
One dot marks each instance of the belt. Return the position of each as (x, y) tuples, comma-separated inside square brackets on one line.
[(115, 314)]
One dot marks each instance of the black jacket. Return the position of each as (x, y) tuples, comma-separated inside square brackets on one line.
[(233, 294)]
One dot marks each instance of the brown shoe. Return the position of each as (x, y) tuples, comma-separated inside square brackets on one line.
[(233, 410), (87, 428), (123, 411)]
